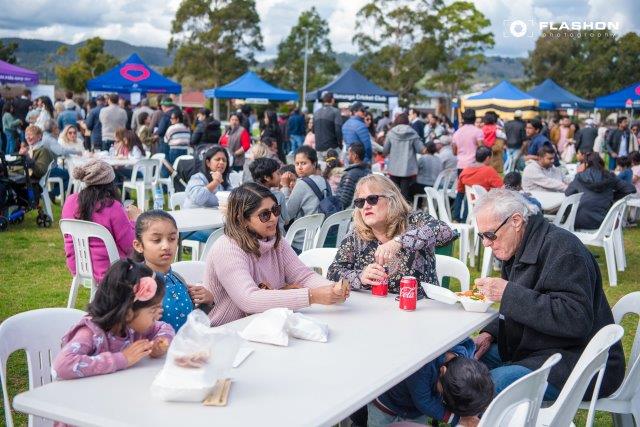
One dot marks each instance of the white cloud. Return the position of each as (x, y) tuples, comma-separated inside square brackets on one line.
[(148, 23)]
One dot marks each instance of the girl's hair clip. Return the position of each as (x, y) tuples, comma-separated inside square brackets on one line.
[(145, 289)]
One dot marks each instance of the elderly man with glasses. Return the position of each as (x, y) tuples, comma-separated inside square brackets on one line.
[(550, 295)]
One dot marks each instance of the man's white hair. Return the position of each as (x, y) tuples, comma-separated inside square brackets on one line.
[(504, 203)]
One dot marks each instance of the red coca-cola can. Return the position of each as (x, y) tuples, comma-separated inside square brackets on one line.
[(408, 293), (381, 289)]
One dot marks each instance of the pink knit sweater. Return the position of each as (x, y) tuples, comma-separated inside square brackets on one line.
[(233, 276), (113, 218)]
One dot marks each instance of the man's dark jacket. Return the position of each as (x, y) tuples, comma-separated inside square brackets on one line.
[(553, 303), (514, 129), (327, 127), (347, 187), (586, 138), (613, 140)]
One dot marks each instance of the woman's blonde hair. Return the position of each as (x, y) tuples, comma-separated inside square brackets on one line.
[(34, 130), (399, 209), (63, 134), (259, 151), (244, 201)]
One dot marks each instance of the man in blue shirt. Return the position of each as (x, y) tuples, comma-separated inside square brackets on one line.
[(295, 130), (354, 130), (533, 129)]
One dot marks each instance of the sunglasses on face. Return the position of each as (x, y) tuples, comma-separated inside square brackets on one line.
[(371, 200), (265, 215), (492, 235)]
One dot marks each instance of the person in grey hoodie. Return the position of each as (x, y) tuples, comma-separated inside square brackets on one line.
[(301, 200), (600, 189), (401, 147)]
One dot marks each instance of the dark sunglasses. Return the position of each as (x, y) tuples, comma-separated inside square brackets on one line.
[(372, 200), (492, 235), (265, 215)]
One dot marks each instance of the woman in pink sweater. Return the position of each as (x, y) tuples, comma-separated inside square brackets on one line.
[(98, 202), (252, 269)]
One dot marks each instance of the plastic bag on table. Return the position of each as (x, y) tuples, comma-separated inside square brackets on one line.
[(198, 356), (269, 327), (307, 328)]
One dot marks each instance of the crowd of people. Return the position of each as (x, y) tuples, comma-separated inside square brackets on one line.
[(293, 166)]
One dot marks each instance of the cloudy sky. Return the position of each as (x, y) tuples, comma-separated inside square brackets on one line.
[(128, 20)]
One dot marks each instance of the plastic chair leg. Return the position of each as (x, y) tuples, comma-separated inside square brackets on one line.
[(141, 197), (464, 245), (73, 292), (94, 289), (621, 260), (610, 255), (487, 258)]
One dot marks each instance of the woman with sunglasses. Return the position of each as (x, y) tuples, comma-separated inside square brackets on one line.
[(259, 270), (388, 240)]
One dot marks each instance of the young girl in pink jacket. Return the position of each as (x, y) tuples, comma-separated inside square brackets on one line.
[(121, 327), (99, 202)]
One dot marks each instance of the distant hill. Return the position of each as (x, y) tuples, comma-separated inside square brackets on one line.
[(41, 56)]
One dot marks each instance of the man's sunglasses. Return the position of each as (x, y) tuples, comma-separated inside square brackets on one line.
[(372, 200), (492, 235), (265, 215)]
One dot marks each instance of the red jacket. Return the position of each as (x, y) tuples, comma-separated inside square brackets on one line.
[(479, 175)]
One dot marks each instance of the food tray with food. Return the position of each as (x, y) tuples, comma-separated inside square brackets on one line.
[(471, 300)]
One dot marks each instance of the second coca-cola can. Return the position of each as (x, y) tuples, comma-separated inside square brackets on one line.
[(381, 289), (408, 293)]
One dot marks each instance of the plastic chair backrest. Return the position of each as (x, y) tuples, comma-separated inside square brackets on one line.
[(158, 156), (447, 266), (38, 332), (235, 179), (572, 202), (610, 221), (341, 219), (432, 201), (45, 177), (443, 212), (479, 190), (177, 200), (319, 258), (210, 241), (471, 198), (80, 232), (440, 178), (528, 390), (181, 158), (191, 271), (629, 304), (310, 224), (592, 362), (150, 169), (446, 176)]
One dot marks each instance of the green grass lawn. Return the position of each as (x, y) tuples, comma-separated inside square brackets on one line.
[(33, 275)]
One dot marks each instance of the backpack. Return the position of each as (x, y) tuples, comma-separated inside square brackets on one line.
[(328, 205)]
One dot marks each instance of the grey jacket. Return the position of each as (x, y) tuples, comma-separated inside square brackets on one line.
[(302, 201), (198, 196), (401, 146), (429, 166)]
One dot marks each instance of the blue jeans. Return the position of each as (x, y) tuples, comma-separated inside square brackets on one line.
[(612, 163), (296, 142), (11, 142), (503, 375), (460, 204), (377, 418), (200, 235)]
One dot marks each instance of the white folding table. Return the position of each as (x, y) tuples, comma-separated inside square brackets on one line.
[(189, 220), (550, 200), (373, 345)]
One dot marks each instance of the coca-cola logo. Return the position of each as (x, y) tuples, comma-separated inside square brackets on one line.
[(408, 292)]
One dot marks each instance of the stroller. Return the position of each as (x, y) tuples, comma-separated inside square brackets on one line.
[(18, 194)]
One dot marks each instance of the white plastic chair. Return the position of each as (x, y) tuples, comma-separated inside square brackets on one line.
[(625, 402), (447, 266), (310, 225), (443, 215), (55, 180), (605, 237), (45, 191), (487, 261), (213, 237), (38, 332), (150, 169), (341, 219), (472, 194), (235, 179), (176, 200), (572, 202), (80, 232), (592, 362), (528, 391), (319, 258), (191, 271), (168, 181)]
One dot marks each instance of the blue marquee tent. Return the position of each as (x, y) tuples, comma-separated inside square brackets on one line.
[(504, 98), (352, 86), (250, 85), (559, 96), (629, 97), (133, 75)]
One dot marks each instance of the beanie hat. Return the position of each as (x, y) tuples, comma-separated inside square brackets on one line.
[(94, 172)]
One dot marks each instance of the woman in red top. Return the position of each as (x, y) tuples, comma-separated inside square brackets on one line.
[(237, 141)]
